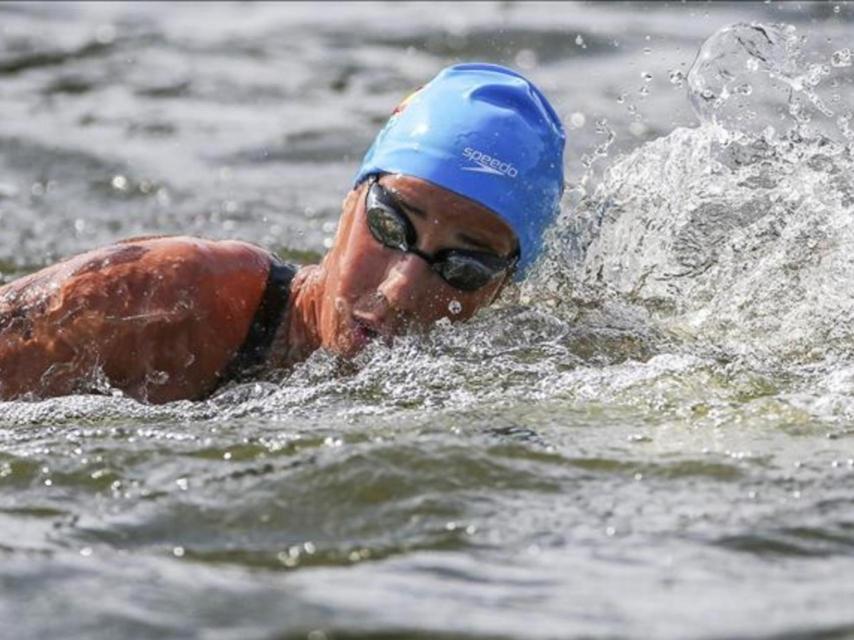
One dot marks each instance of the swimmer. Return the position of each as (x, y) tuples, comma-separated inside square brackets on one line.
[(449, 205)]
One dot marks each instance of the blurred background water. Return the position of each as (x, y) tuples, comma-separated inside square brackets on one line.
[(651, 438)]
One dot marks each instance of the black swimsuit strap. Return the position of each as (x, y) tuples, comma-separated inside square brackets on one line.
[(253, 352)]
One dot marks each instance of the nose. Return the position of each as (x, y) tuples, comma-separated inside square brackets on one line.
[(405, 282)]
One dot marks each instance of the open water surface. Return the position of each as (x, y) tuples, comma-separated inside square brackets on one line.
[(653, 437)]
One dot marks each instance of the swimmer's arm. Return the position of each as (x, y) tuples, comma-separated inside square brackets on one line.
[(156, 318)]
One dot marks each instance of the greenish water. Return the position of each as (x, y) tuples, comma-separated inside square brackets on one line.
[(651, 438)]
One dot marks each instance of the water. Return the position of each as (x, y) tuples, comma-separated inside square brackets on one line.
[(652, 438)]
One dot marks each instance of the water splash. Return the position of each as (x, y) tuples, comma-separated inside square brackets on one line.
[(756, 79), (742, 244), (697, 248), (574, 192), (732, 235)]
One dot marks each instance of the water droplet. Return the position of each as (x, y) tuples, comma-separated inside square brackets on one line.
[(579, 40), (841, 58), (577, 120), (163, 197), (844, 124), (119, 183), (526, 59), (646, 75), (677, 78), (158, 377), (647, 50), (455, 307), (639, 437), (178, 552)]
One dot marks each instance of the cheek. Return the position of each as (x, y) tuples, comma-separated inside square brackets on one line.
[(357, 267), (362, 268), (457, 305)]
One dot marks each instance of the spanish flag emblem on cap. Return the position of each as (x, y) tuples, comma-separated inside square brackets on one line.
[(399, 108)]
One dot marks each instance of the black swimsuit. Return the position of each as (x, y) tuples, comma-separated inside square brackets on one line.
[(252, 354)]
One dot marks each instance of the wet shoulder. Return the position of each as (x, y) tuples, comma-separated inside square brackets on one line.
[(178, 275), (227, 276), (220, 268)]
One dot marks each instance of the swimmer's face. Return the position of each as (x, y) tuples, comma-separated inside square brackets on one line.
[(375, 291)]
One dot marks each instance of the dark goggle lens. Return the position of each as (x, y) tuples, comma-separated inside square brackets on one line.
[(465, 272), (387, 228)]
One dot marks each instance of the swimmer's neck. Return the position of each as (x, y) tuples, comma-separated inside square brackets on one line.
[(299, 332)]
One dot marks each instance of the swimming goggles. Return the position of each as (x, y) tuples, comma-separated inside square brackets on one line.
[(461, 268)]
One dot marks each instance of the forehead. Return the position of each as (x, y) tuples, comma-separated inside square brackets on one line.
[(452, 212)]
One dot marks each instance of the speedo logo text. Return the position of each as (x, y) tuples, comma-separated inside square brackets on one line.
[(488, 164)]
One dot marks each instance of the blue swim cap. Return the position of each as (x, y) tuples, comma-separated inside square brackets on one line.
[(486, 133)]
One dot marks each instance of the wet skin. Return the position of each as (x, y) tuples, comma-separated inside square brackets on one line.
[(362, 288), (160, 318)]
